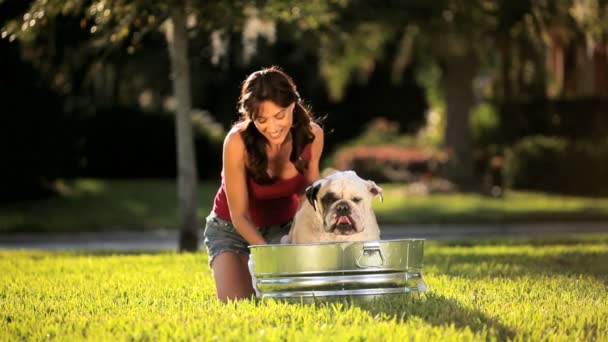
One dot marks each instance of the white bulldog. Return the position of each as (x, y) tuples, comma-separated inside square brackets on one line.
[(339, 208)]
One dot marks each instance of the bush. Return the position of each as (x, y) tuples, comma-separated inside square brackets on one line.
[(390, 163), (118, 142), (485, 124), (559, 165), (38, 139), (582, 118)]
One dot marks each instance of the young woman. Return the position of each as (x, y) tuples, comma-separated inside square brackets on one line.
[(270, 156)]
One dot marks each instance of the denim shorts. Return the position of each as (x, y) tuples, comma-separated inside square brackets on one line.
[(221, 236)]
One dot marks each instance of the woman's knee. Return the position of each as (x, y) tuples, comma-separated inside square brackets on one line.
[(232, 278)]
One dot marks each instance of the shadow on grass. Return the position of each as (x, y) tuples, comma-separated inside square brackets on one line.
[(549, 240), (434, 309), (510, 265)]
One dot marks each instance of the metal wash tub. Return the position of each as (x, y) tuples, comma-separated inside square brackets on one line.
[(355, 269)]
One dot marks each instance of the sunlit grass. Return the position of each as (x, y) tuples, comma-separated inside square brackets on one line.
[(93, 205), (528, 290)]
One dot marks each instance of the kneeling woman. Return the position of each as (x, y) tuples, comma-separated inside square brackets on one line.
[(270, 156)]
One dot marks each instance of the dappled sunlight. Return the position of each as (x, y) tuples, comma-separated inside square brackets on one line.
[(477, 118), (90, 186)]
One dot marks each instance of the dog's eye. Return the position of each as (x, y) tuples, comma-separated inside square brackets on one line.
[(357, 199), (328, 199)]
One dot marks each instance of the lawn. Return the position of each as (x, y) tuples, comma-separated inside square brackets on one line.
[(516, 206), (93, 205), (522, 289)]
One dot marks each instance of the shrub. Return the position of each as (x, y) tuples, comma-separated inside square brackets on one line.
[(581, 118), (559, 165), (484, 123), (390, 163)]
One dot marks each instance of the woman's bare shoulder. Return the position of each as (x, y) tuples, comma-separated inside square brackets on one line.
[(316, 129), (234, 142), (235, 135)]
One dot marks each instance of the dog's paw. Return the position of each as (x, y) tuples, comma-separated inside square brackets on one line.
[(285, 240)]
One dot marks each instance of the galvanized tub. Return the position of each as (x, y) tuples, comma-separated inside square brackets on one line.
[(364, 269)]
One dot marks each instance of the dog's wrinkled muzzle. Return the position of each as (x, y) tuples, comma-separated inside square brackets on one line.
[(344, 225)]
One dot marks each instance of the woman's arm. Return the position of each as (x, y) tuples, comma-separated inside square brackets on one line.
[(315, 153), (236, 187)]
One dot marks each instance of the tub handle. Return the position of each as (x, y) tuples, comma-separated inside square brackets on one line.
[(371, 256)]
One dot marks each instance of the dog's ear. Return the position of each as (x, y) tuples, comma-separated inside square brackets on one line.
[(375, 190), (311, 193)]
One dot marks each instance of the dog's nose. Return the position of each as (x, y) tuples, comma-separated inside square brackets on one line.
[(342, 209)]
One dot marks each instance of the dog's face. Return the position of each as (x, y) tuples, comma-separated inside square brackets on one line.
[(344, 202)]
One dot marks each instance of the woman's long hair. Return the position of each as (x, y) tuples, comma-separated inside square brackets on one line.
[(272, 84)]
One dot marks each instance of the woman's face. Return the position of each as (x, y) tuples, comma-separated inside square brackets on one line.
[(274, 121)]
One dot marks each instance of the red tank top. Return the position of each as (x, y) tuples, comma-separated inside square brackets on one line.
[(270, 204)]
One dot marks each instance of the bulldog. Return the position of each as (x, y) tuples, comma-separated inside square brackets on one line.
[(338, 208)]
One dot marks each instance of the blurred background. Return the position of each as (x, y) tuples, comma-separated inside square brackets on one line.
[(458, 107)]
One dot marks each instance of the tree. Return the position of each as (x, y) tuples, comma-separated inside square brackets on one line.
[(453, 34), (111, 22), (177, 42), (114, 22)]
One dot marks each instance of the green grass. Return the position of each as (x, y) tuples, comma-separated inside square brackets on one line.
[(521, 289), (93, 205)]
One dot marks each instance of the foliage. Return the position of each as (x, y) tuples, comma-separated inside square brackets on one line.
[(67, 41), (344, 53), (429, 76), (574, 119), (39, 142), (551, 145), (424, 32), (107, 143), (382, 154), (570, 25), (306, 15), (533, 159), (556, 164), (125, 24), (523, 289), (390, 163), (485, 123)]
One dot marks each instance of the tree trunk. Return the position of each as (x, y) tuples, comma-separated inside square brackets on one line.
[(458, 73), (583, 74), (506, 65), (177, 41)]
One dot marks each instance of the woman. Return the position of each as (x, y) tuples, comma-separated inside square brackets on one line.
[(270, 156)]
